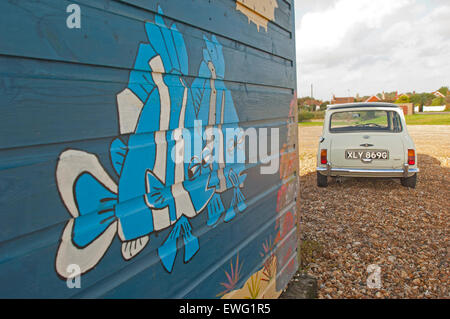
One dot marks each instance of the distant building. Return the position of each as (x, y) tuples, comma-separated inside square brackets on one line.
[(408, 108), (374, 98), (310, 102), (342, 100), (438, 94)]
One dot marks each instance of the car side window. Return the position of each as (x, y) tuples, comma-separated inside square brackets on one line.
[(396, 122)]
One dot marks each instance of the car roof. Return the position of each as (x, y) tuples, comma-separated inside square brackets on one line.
[(361, 104)]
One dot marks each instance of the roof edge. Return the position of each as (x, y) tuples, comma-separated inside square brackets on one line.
[(361, 104)]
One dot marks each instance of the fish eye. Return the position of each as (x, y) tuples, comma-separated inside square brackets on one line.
[(206, 157), (194, 168), (231, 145), (240, 142)]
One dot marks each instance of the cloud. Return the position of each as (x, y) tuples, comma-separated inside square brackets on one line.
[(326, 30), (365, 47)]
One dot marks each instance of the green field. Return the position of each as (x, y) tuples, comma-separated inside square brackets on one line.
[(428, 119), (309, 123), (415, 119)]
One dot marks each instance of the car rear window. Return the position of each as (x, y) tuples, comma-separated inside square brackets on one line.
[(365, 120)]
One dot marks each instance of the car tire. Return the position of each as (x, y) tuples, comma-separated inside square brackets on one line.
[(409, 181), (322, 180)]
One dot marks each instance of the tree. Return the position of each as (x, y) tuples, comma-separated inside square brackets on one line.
[(422, 99), (305, 116), (428, 97), (444, 90), (415, 99), (403, 99), (438, 101), (389, 97)]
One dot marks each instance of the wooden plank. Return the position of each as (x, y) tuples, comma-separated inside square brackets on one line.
[(62, 103), (27, 178), (224, 21), (116, 30)]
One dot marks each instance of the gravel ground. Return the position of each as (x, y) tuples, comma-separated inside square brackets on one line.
[(360, 222)]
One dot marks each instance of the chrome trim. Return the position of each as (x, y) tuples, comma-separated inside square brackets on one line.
[(363, 170), (401, 172)]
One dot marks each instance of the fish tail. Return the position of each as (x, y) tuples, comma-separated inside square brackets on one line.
[(215, 209), (191, 245), (238, 200), (90, 196), (230, 214), (168, 250)]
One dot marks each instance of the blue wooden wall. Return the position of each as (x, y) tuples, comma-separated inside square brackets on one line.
[(58, 92)]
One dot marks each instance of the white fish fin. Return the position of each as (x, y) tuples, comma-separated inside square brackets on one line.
[(86, 258), (132, 248), (129, 107), (73, 163), (158, 71)]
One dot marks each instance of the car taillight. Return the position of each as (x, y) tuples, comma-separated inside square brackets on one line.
[(323, 157), (411, 157)]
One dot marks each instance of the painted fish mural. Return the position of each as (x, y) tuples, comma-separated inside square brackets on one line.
[(155, 191)]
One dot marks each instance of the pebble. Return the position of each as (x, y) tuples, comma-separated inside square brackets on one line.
[(404, 231)]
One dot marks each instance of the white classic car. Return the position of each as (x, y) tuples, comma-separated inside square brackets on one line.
[(366, 140)]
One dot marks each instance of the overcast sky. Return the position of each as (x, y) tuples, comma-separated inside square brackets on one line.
[(369, 46)]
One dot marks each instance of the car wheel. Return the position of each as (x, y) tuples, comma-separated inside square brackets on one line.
[(409, 181), (322, 180)]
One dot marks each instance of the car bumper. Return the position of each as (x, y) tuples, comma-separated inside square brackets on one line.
[(367, 172)]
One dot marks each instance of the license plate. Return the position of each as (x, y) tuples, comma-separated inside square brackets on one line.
[(367, 155)]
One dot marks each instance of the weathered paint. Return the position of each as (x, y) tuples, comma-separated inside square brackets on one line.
[(88, 119), (260, 12)]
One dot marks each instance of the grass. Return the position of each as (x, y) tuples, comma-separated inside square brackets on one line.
[(233, 277), (428, 119), (415, 119), (311, 123), (254, 287), (268, 270)]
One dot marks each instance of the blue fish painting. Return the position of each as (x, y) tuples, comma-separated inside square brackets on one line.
[(155, 191)]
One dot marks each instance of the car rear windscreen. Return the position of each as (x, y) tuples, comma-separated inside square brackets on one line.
[(365, 120)]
